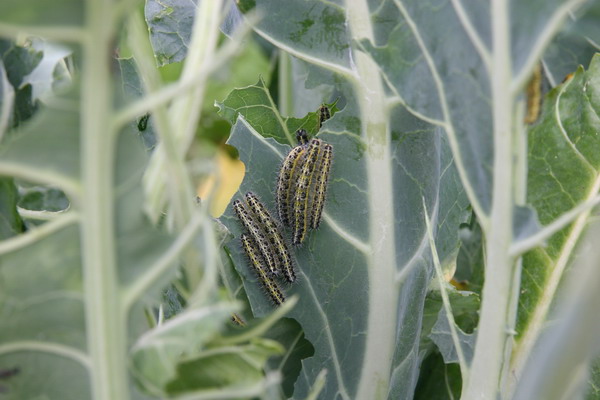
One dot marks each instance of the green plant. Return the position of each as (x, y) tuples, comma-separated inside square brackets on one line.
[(434, 176)]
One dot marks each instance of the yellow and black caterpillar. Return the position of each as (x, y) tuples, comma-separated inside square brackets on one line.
[(302, 185)]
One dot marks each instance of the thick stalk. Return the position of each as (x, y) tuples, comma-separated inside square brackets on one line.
[(381, 261), (105, 324), (285, 84), (489, 358)]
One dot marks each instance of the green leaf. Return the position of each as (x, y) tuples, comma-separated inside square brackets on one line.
[(157, 354), (223, 368), (470, 260), (444, 89), (575, 45), (7, 99), (255, 104), (315, 29), (10, 221), (60, 12), (332, 271), (41, 283), (441, 335), (170, 24), (19, 62), (43, 199), (49, 143), (132, 89), (289, 334), (594, 381), (465, 307), (51, 73), (564, 170), (438, 380)]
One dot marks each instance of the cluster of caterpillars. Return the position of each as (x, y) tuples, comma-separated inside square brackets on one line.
[(301, 191), (302, 182)]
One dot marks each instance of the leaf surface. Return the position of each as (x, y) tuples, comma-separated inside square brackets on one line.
[(564, 170), (331, 264), (170, 24)]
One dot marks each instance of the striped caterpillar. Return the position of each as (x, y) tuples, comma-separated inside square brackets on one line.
[(268, 283), (302, 185)]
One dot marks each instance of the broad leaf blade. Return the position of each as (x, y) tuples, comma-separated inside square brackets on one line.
[(314, 31), (564, 170), (332, 268)]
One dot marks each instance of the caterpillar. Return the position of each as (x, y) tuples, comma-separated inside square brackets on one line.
[(274, 235), (257, 235), (288, 176), (256, 261), (534, 95), (324, 114), (237, 320), (301, 137), (303, 186), (323, 170)]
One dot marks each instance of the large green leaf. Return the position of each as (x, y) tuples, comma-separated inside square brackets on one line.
[(317, 29), (564, 170), (42, 285), (333, 306)]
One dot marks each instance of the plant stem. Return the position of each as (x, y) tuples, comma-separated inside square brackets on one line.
[(381, 261), (105, 324), (284, 84), (489, 358), (184, 115)]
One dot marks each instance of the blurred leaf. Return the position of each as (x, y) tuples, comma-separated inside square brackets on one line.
[(41, 284), (470, 260), (233, 19), (170, 24), (525, 222), (157, 354), (438, 380), (132, 89), (575, 45), (49, 142), (240, 71), (593, 392), (10, 221), (59, 12), (19, 62), (7, 100), (289, 334), (51, 73), (44, 199), (226, 367)]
